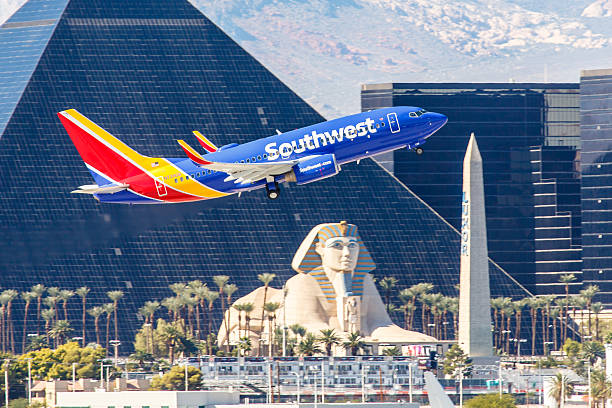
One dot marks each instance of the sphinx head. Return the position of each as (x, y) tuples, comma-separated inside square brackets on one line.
[(338, 253), (336, 246)]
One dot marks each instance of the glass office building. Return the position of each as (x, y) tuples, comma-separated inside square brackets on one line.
[(529, 138), (596, 164), (150, 72)]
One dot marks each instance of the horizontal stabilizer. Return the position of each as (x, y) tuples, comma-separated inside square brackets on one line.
[(192, 154), (96, 189), (206, 144)]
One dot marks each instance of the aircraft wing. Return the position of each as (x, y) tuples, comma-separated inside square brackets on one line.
[(250, 172), (96, 189), (241, 172)]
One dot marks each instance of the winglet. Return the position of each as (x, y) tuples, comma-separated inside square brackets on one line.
[(192, 154), (206, 144)]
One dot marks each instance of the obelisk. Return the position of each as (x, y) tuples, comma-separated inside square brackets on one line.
[(474, 292)]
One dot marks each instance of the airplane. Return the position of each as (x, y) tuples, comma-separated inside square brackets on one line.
[(302, 156)]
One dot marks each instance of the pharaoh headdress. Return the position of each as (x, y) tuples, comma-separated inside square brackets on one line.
[(306, 259)]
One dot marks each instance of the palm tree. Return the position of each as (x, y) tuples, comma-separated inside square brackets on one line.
[(354, 343), (47, 315), (108, 309), (589, 293), (329, 339), (4, 299), (555, 312), (60, 330), (229, 290), (425, 299), (518, 310), (39, 291), (394, 351), (496, 306), (64, 296), (423, 289), (408, 296), (239, 308), (581, 303), (198, 289), (298, 330), (454, 310), (53, 291), (266, 279), (51, 303), (597, 308), (562, 388), (601, 388), (566, 280), (534, 304), (82, 293), (96, 312), (387, 284), (171, 335), (508, 311), (270, 309), (308, 346), (547, 301), (114, 296), (27, 297), (149, 309), (247, 308), (178, 288), (592, 350), (11, 295), (210, 298)]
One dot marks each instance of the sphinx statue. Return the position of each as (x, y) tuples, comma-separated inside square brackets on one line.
[(332, 289)]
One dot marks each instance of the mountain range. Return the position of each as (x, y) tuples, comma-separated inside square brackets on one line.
[(325, 49)]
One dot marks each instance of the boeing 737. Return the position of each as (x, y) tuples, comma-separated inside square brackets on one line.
[(302, 156)]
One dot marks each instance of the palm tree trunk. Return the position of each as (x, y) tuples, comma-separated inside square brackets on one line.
[(115, 320), (534, 321), (96, 324), (83, 320), (197, 314), (262, 320), (108, 319), (25, 326), (545, 328), (555, 333), (38, 315)]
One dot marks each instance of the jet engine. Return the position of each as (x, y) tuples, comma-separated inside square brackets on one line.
[(313, 168)]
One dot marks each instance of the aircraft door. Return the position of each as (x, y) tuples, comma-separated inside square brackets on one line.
[(160, 186), (393, 123)]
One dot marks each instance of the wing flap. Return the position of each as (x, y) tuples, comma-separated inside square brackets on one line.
[(96, 189)]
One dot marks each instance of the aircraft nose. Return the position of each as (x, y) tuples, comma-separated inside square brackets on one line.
[(437, 120)]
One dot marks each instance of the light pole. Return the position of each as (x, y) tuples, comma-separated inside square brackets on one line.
[(322, 381), (589, 377), (297, 379), (410, 380), (186, 377), (363, 396), (73, 375), (116, 344), (518, 351), (461, 385), (6, 384), (500, 380)]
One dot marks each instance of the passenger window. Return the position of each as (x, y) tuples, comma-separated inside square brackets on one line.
[(253, 159), (175, 180), (382, 124), (242, 161), (265, 155), (259, 157), (181, 179), (248, 161), (377, 125)]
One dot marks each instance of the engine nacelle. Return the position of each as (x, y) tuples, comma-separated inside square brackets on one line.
[(313, 169)]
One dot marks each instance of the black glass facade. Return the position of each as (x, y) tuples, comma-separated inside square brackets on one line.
[(596, 164), (150, 72), (528, 134)]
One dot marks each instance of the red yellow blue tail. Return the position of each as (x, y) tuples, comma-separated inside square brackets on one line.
[(112, 161)]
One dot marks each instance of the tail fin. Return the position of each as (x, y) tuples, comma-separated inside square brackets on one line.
[(107, 158)]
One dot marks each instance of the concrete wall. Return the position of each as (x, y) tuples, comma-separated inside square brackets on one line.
[(152, 399)]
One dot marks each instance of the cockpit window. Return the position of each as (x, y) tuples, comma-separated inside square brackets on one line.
[(413, 115), (417, 113)]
